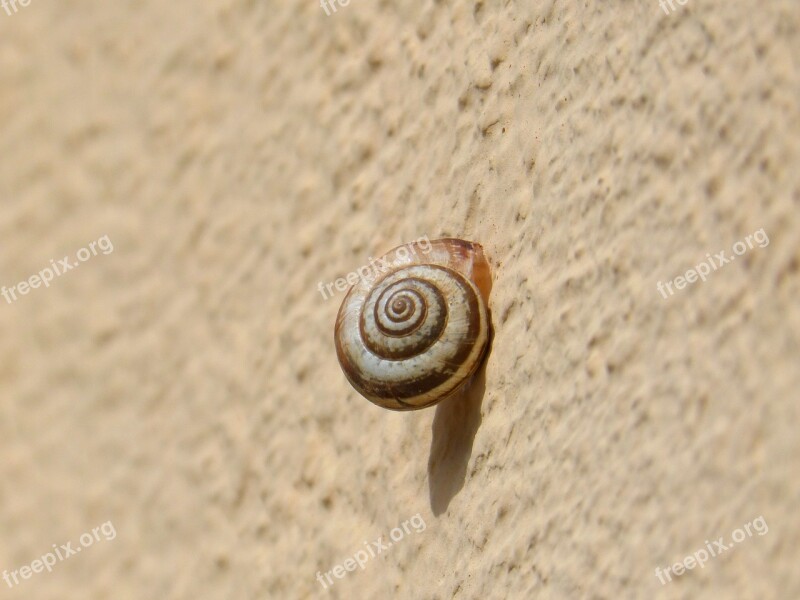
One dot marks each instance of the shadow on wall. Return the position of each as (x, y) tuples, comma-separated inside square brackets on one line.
[(454, 427)]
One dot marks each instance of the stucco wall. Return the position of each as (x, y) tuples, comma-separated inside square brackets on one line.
[(184, 386)]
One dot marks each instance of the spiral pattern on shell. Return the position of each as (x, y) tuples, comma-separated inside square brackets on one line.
[(414, 334)]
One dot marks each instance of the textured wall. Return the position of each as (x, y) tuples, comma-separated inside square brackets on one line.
[(185, 388)]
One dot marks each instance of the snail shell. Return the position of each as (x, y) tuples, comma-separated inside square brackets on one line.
[(412, 332)]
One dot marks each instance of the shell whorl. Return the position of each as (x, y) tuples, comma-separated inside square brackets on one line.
[(414, 332)]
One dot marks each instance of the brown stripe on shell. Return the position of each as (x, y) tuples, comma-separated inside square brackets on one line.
[(420, 319), (410, 349), (419, 387)]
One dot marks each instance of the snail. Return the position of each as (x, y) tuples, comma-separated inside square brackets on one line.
[(413, 331)]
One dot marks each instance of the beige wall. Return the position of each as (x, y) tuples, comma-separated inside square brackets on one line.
[(236, 153)]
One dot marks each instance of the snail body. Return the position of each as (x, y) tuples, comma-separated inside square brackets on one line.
[(413, 332)]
